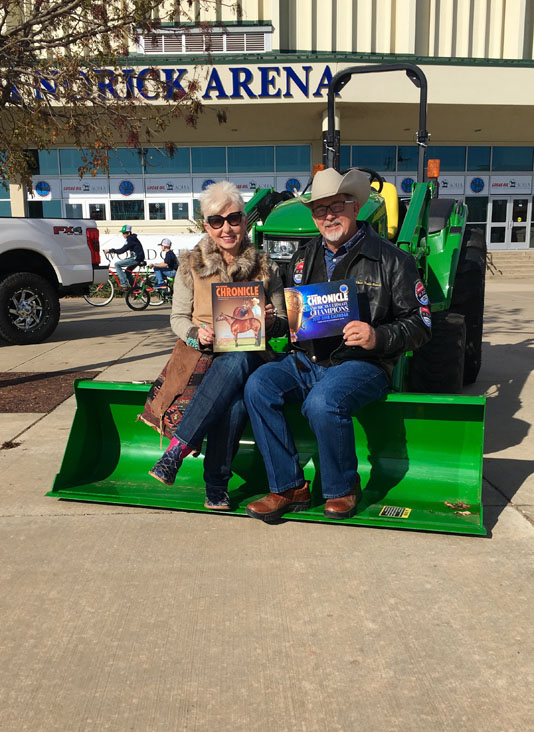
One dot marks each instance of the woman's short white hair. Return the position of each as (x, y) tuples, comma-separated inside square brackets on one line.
[(219, 196)]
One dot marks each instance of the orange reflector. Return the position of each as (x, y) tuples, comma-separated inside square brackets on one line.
[(432, 170), (317, 168)]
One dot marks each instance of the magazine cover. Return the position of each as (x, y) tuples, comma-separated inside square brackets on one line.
[(238, 316), (320, 310)]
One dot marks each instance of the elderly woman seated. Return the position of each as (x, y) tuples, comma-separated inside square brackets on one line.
[(217, 409)]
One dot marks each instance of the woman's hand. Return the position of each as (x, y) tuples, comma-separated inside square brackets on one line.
[(206, 335), (270, 315)]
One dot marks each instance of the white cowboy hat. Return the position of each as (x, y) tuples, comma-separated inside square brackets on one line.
[(329, 182), (254, 299)]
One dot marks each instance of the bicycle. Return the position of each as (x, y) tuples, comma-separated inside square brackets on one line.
[(161, 296), (101, 295), (145, 292)]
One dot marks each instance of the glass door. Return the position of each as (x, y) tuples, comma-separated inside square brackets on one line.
[(519, 222), (508, 222)]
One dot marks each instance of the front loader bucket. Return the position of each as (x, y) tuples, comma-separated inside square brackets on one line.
[(420, 460)]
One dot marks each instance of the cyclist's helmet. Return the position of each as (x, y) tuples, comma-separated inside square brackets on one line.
[(126, 229)]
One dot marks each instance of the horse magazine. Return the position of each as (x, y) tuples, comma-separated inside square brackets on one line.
[(238, 316), (320, 310)]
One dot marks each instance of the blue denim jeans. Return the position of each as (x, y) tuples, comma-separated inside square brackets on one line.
[(120, 266), (329, 397), (217, 410), (160, 274)]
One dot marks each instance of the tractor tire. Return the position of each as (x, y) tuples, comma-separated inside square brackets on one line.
[(29, 308), (438, 367), (468, 299)]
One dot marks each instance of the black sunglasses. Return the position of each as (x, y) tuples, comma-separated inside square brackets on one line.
[(217, 222)]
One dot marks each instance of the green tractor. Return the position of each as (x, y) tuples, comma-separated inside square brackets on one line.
[(451, 257), (419, 449)]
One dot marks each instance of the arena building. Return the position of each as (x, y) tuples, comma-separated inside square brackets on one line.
[(268, 70)]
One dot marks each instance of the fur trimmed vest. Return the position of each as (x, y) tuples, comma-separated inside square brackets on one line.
[(204, 265)]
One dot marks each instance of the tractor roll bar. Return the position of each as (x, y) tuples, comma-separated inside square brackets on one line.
[(416, 76)]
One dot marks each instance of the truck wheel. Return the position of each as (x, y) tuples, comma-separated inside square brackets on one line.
[(29, 308), (438, 367), (468, 298)]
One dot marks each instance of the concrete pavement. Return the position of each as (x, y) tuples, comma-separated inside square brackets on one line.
[(120, 618)]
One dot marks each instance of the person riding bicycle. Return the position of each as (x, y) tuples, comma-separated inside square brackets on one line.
[(166, 268), (132, 245)]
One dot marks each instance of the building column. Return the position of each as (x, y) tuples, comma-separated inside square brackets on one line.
[(17, 194)]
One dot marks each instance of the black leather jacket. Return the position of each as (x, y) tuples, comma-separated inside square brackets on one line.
[(391, 297)]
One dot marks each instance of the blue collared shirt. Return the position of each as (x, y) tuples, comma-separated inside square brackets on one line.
[(332, 258)]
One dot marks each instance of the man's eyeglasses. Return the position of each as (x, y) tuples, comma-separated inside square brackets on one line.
[(217, 222), (336, 207)]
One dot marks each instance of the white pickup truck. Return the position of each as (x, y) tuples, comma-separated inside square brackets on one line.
[(40, 261)]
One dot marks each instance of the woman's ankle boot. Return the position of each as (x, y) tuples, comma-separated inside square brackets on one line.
[(169, 463)]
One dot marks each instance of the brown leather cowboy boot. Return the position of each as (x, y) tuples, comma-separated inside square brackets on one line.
[(274, 505), (344, 507)]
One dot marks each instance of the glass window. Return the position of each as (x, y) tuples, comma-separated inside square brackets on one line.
[(498, 210), (73, 210), (519, 234), (293, 158), (258, 159), (44, 209), (70, 160), (479, 227), (158, 160), (4, 190), (344, 157), (124, 210), (451, 157), (156, 211), (97, 211), (478, 158), (497, 234), (208, 159), (44, 162), (477, 208), (512, 158), (406, 158), (197, 213), (519, 210), (180, 210), (125, 161), (376, 157), (5, 208)]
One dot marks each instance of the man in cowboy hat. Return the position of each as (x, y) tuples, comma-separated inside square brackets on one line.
[(335, 376), (256, 310)]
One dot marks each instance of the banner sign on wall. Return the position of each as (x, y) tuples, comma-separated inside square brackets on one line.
[(453, 184), (126, 187), (478, 185), (84, 187), (249, 183), (510, 184), (164, 186), (45, 190)]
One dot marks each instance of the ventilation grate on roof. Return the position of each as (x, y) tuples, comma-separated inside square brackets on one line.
[(202, 42)]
